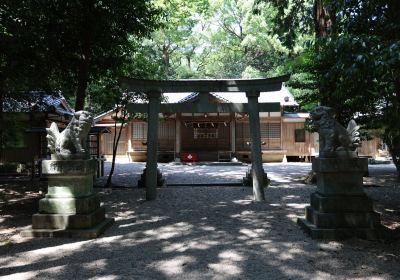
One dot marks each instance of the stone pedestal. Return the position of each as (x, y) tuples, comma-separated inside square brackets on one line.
[(70, 207), (248, 179), (340, 208), (142, 180)]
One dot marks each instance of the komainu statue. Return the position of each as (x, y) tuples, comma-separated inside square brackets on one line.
[(71, 143), (334, 139)]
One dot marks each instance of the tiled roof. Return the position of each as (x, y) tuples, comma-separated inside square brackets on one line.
[(283, 96), (38, 101)]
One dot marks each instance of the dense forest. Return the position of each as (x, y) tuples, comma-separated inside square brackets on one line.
[(344, 54)]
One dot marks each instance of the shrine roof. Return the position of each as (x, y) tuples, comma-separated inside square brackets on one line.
[(283, 96)]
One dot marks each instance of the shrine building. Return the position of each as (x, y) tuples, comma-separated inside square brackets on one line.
[(222, 136)]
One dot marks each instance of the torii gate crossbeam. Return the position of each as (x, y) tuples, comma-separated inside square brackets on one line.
[(252, 88)]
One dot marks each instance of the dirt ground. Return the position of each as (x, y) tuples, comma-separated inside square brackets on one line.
[(19, 200), (201, 233)]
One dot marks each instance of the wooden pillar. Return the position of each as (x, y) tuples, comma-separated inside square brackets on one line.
[(256, 158), (178, 134), (152, 143), (233, 133)]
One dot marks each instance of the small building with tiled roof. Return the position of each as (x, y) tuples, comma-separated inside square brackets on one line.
[(217, 136), (26, 117)]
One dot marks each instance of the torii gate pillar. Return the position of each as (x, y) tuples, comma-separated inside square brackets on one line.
[(256, 158), (152, 143)]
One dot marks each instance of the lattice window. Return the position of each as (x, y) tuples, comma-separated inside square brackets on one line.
[(264, 130), (242, 136), (139, 131), (270, 130), (205, 133), (274, 130)]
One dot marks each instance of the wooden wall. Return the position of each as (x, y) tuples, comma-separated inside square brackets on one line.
[(107, 142), (223, 143), (369, 148), (288, 140), (134, 137)]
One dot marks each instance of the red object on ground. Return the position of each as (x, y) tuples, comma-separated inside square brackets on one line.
[(185, 156)]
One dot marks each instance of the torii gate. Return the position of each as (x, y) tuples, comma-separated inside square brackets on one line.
[(252, 87)]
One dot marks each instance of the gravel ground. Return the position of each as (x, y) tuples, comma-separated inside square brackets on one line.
[(127, 174), (211, 233)]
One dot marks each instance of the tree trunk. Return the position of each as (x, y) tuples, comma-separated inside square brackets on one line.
[(115, 148), (166, 59), (83, 74), (1, 119), (83, 68), (394, 153), (323, 19)]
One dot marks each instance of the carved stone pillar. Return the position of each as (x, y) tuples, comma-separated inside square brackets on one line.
[(340, 208)]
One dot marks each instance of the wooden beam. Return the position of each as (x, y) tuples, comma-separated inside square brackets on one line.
[(226, 85), (205, 107)]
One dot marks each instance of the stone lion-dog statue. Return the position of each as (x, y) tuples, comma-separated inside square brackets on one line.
[(71, 143), (334, 139)]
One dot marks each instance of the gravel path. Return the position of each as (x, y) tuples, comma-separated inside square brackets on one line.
[(127, 174), (209, 233)]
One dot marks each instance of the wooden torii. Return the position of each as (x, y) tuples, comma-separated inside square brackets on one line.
[(252, 87)]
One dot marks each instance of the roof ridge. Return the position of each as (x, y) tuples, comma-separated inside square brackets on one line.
[(189, 97)]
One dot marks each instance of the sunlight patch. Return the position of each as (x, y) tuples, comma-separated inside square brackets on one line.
[(34, 254), (292, 217), (225, 268), (285, 256), (242, 201), (106, 277), (297, 205), (167, 232), (249, 233), (230, 255), (127, 225), (208, 228), (97, 264), (22, 275), (182, 247), (174, 266)]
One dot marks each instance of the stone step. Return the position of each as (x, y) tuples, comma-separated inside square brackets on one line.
[(315, 232), (50, 205), (93, 232), (342, 219), (68, 221), (341, 203)]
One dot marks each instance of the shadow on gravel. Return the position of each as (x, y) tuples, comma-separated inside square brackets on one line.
[(204, 233)]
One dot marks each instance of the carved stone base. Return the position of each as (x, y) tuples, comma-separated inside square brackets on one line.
[(142, 180), (92, 232), (248, 179), (340, 208), (70, 205), (70, 208), (342, 233)]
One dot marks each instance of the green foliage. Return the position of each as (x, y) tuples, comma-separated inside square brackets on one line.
[(217, 39), (15, 135), (71, 43), (359, 67), (303, 81)]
